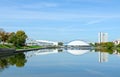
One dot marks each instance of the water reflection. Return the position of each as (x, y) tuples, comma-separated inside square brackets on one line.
[(104, 52), (18, 60), (78, 52), (109, 51), (46, 51), (103, 57), (55, 51), (43, 52)]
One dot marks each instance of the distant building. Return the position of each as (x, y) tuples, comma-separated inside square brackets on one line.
[(116, 42), (46, 43), (31, 42), (102, 37)]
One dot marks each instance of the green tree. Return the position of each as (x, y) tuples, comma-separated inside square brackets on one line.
[(60, 43), (118, 45), (4, 36), (20, 38), (109, 45), (11, 38)]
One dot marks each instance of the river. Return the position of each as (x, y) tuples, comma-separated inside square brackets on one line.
[(61, 63)]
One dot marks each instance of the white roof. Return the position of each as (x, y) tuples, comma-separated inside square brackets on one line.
[(79, 43), (46, 41)]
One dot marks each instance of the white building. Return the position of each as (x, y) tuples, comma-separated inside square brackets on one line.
[(116, 42), (31, 42), (46, 43), (102, 37)]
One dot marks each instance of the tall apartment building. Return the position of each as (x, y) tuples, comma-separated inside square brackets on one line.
[(102, 37)]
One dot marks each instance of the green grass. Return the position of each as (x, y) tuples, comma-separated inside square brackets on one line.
[(6, 46), (18, 48), (28, 47)]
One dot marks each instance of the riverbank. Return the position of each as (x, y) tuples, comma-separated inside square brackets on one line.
[(24, 50), (10, 48), (31, 49), (7, 50)]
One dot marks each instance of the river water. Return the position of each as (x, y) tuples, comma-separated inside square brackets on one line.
[(61, 63)]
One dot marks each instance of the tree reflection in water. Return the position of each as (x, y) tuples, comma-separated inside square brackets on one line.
[(110, 51), (18, 60)]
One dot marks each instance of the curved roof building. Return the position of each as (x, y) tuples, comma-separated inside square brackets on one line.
[(78, 43)]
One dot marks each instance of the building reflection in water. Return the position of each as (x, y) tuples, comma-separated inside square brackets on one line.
[(43, 52), (54, 51), (103, 57), (46, 51), (78, 52)]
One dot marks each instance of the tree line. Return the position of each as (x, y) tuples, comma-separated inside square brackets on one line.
[(14, 38)]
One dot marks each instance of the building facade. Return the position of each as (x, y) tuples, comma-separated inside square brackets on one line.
[(46, 43), (102, 37)]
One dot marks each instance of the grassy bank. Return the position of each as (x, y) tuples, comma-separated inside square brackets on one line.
[(28, 47), (6, 46), (19, 48)]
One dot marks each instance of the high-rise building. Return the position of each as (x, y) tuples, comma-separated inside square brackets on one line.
[(102, 37)]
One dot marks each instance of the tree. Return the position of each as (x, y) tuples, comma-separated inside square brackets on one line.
[(110, 45), (91, 44), (20, 38), (60, 43), (4, 36), (12, 38), (118, 45)]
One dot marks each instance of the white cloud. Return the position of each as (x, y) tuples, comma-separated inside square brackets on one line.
[(95, 22)]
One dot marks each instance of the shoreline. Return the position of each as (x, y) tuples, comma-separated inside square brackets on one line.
[(25, 50), (13, 50), (31, 49)]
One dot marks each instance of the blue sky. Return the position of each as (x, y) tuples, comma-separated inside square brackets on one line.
[(62, 20)]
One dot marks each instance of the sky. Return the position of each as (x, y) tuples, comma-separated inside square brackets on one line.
[(62, 20)]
